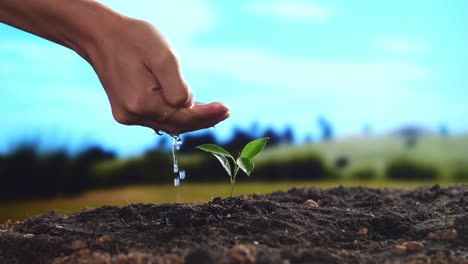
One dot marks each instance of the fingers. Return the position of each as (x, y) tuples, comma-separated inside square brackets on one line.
[(187, 119), (150, 105), (198, 117)]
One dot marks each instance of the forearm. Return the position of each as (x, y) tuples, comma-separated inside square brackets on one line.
[(76, 24)]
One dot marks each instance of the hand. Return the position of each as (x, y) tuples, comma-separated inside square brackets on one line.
[(142, 78), (133, 61)]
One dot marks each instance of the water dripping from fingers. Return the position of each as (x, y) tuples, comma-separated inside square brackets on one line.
[(178, 174), (177, 142)]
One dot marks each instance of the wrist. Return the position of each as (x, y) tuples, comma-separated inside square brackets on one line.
[(87, 27), (77, 24)]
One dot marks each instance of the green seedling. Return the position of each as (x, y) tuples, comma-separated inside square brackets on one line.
[(243, 162)]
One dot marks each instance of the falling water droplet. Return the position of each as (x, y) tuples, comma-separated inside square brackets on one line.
[(178, 174), (178, 142)]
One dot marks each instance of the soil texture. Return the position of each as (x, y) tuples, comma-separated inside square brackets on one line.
[(339, 225)]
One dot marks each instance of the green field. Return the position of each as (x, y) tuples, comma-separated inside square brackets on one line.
[(187, 192), (447, 154)]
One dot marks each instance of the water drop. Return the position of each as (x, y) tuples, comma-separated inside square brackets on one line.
[(182, 174), (159, 132), (176, 182)]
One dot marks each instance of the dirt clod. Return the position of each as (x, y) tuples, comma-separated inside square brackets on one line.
[(311, 203), (451, 234), (102, 239), (400, 250), (440, 258), (434, 236), (28, 235), (413, 245), (363, 231), (243, 254), (78, 244)]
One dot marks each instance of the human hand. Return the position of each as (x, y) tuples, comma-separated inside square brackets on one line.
[(133, 61), (142, 79)]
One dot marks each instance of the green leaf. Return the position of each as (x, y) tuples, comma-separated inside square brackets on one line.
[(253, 148), (246, 165), (215, 149), (225, 162)]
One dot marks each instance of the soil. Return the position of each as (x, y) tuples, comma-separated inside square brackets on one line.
[(339, 225)]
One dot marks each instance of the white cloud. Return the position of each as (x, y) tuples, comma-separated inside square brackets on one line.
[(292, 10), (403, 46)]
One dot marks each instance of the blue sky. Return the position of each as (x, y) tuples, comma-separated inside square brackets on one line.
[(277, 62)]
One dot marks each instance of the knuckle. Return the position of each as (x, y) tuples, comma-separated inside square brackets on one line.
[(166, 60), (123, 118), (183, 98), (136, 105)]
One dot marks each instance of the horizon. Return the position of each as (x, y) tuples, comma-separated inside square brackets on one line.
[(278, 63), (162, 142)]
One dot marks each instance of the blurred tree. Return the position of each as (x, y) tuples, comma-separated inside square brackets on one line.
[(288, 135), (21, 173), (443, 130), (239, 139), (255, 129), (80, 176), (275, 137), (367, 129), (2, 168), (406, 169), (54, 169), (163, 143), (308, 138), (326, 128), (192, 141)]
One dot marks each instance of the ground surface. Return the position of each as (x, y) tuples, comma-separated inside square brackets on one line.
[(350, 225)]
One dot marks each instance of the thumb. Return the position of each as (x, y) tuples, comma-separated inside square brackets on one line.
[(173, 87)]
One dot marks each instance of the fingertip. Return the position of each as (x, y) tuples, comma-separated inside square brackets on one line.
[(215, 107), (221, 106), (199, 116)]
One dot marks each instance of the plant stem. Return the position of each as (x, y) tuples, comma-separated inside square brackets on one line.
[(233, 179)]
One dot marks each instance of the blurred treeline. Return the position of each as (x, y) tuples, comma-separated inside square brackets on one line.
[(26, 172)]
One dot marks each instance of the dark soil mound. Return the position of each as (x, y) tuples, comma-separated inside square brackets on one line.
[(340, 225)]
